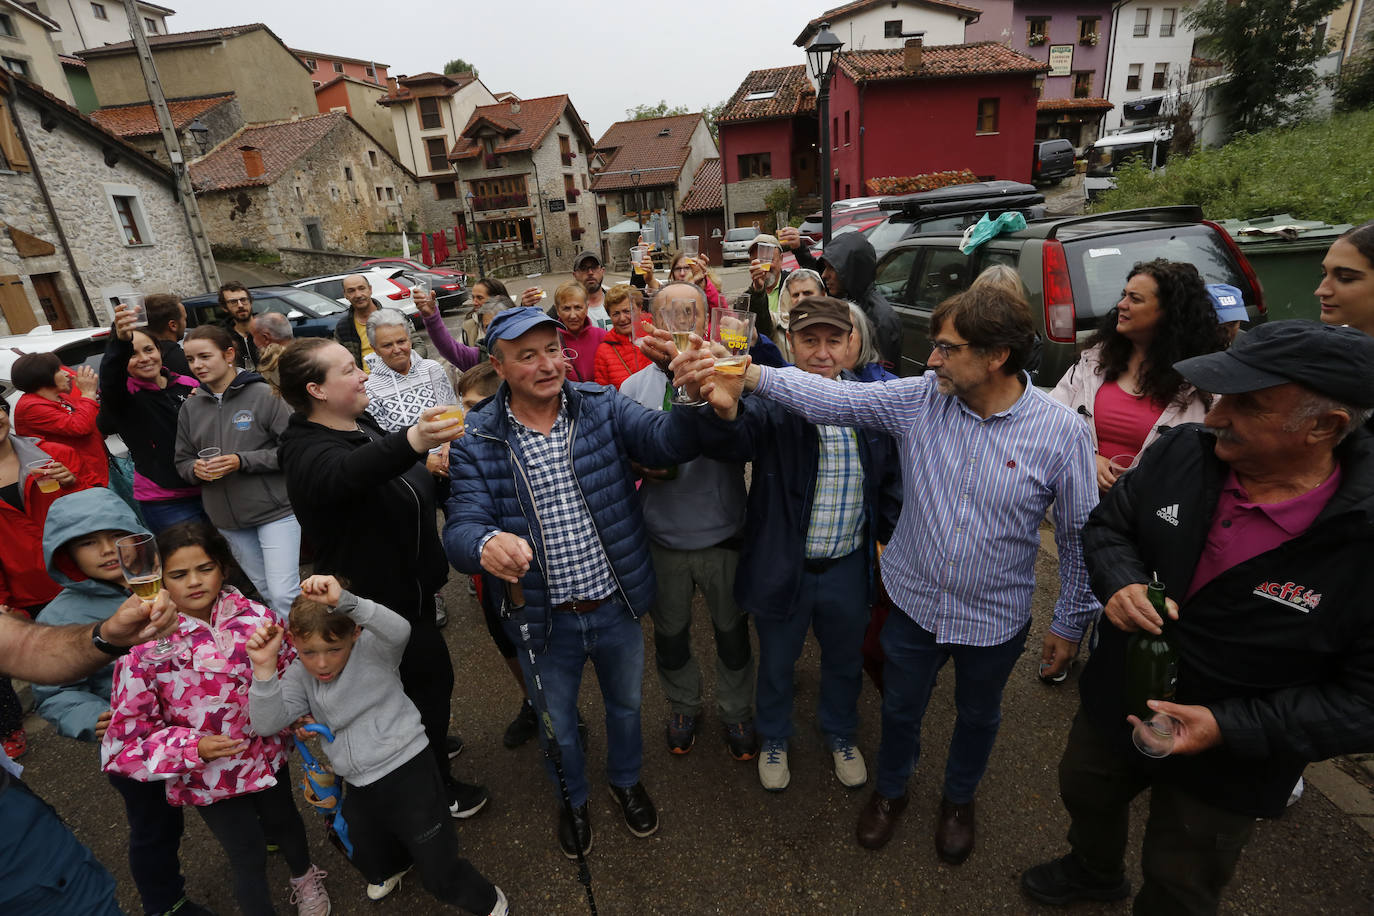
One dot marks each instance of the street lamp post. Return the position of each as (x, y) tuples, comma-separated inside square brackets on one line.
[(200, 133), (820, 55), (476, 233), (639, 211)]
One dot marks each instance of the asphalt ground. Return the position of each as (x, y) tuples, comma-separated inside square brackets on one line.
[(725, 845)]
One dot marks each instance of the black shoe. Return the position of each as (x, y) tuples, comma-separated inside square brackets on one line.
[(581, 821), (466, 799), (184, 907), (582, 732), (742, 740), (682, 732), (640, 815), (1064, 881), (521, 728), (440, 611), (454, 745)]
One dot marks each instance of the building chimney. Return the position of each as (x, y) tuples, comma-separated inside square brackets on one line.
[(391, 85), (252, 161), (911, 53)]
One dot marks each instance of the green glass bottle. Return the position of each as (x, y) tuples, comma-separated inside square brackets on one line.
[(1151, 663)]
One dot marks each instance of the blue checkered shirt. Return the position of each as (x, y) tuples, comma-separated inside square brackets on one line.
[(836, 528), (577, 564)]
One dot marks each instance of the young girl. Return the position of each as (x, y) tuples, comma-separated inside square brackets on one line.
[(185, 720)]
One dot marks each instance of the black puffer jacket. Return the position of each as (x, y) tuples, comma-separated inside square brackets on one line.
[(1280, 648), (856, 263)]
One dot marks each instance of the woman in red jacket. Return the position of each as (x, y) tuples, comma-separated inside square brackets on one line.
[(618, 358), (59, 405)]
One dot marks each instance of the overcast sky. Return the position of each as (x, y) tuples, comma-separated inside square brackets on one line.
[(608, 55)]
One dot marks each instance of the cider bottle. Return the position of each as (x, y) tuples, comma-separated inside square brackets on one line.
[(1151, 663)]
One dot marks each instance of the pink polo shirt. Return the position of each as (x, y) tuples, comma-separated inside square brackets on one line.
[(1242, 530)]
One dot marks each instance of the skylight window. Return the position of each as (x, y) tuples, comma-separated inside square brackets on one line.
[(761, 95)]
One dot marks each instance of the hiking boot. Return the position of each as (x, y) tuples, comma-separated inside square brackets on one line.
[(521, 728), (1065, 881), (640, 815), (466, 799), (381, 889), (773, 773), (742, 740), (682, 732), (454, 745), (575, 828), (308, 893), (849, 763)]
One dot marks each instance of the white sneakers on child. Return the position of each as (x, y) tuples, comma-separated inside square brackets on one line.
[(308, 893), (378, 891)]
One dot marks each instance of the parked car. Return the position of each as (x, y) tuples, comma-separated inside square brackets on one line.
[(1051, 161), (412, 264), (310, 314), (735, 245), (76, 347), (449, 292), (1073, 269), (860, 212), (952, 209), (1105, 156), (389, 287)]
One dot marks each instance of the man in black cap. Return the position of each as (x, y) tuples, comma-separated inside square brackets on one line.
[(589, 271), (1260, 525)]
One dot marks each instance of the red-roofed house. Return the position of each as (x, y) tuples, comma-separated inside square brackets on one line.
[(137, 124), (703, 210), (873, 25), (361, 99), (324, 67), (768, 136), (646, 169), (523, 178), (320, 183)]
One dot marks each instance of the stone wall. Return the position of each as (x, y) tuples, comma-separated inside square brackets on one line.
[(223, 120), (549, 168), (309, 262)]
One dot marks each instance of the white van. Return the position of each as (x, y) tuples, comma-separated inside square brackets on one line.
[(1150, 146)]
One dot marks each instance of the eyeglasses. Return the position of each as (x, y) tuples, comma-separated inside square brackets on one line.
[(947, 348)]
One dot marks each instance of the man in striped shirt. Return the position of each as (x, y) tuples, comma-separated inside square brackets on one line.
[(983, 454)]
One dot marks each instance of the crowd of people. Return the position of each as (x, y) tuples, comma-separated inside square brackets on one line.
[(587, 468)]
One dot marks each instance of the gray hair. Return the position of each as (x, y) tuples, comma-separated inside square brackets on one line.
[(1314, 405), (385, 318), (1001, 276), (275, 325), (864, 329), (495, 306), (804, 273)]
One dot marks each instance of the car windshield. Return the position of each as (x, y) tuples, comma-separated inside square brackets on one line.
[(741, 235), (311, 303), (1103, 161)]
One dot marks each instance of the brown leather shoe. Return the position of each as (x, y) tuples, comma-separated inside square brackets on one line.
[(954, 832), (878, 819)]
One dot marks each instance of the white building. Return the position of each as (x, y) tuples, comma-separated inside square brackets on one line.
[(870, 25), (88, 24)]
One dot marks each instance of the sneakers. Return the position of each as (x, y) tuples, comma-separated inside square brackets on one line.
[(640, 815), (522, 727), (849, 763), (682, 732), (184, 907), (308, 893), (466, 799), (440, 611), (1064, 881), (574, 830), (742, 740), (454, 745), (502, 907), (380, 890), (773, 772), (16, 743)]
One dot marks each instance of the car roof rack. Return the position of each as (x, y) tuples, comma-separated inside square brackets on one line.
[(1180, 213)]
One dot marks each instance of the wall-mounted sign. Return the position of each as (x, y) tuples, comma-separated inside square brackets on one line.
[(558, 205), (1061, 60)]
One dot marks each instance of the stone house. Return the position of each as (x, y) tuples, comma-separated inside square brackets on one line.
[(644, 169), (359, 98), (320, 183), (269, 81), (703, 210), (92, 24), (86, 217), (428, 113), (137, 124), (28, 47), (522, 177)]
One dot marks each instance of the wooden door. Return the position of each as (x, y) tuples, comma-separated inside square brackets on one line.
[(14, 302), (50, 298)]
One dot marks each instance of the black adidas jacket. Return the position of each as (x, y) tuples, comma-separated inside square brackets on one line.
[(1280, 647)]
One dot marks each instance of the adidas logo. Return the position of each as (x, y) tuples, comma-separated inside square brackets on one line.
[(1169, 514)]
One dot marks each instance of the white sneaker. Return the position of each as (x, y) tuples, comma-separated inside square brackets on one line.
[(309, 895), (773, 772), (1296, 793), (378, 891), (502, 907), (849, 763)]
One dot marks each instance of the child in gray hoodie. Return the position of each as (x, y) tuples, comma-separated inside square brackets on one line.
[(345, 677)]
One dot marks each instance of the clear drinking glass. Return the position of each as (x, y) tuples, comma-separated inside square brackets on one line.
[(142, 566), (681, 316), (691, 247), (207, 455), (1154, 737), (134, 301), (731, 331), (637, 254), (39, 469)]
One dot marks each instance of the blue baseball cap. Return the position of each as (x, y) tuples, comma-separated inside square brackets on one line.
[(512, 323), (1228, 301)]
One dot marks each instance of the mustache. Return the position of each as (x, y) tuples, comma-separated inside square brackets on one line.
[(1221, 435)]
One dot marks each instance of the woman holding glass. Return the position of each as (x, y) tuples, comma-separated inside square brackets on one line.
[(60, 405), (1125, 385), (580, 337)]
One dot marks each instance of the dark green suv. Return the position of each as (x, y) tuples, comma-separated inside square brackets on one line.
[(1073, 269)]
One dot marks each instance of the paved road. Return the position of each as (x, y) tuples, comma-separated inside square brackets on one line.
[(725, 845)]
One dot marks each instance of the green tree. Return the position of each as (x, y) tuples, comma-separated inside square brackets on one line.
[(458, 65), (1355, 88), (1270, 49)]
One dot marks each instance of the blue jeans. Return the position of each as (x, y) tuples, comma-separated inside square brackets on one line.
[(834, 604), (914, 658), (161, 514), (270, 556), (614, 641)]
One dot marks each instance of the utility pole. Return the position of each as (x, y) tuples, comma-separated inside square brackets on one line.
[(205, 259)]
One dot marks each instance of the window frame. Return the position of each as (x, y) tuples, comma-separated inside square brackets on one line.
[(137, 213), (23, 69), (1083, 75), (99, 12), (1037, 27), (1141, 29), (430, 156), (438, 112), (996, 110), (1134, 72), (1168, 19), (892, 28), (754, 166), (1159, 79), (7, 26), (338, 67)]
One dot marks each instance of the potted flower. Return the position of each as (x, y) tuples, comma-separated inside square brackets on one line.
[(1089, 39), (1035, 39)]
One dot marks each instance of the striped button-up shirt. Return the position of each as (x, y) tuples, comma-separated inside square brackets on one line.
[(961, 563)]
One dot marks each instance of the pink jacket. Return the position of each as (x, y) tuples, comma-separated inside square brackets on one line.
[(163, 708)]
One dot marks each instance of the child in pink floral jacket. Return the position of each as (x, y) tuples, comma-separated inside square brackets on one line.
[(184, 720)]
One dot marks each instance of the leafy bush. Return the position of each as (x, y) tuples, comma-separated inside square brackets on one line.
[(1322, 170), (1355, 88), (911, 184)]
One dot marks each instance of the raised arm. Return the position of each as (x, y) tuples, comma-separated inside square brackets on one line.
[(455, 351), (889, 406)]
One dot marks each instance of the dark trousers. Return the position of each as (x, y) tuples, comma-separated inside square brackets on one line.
[(155, 828), (1191, 848), (11, 710), (44, 869), (402, 819), (242, 825), (427, 677)]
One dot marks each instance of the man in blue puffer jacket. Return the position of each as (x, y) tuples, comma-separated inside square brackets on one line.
[(543, 495)]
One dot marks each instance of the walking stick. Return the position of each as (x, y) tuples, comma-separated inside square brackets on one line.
[(515, 605)]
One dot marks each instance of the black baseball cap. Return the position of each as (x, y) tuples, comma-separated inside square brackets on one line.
[(1334, 361), (584, 255), (820, 310)]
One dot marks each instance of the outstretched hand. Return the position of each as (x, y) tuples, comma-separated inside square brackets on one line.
[(264, 648)]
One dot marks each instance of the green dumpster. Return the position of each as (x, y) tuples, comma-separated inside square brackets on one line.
[(1287, 256)]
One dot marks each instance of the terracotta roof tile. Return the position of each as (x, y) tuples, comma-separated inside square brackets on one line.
[(400, 92), (705, 194), (938, 61), (640, 146), (968, 12), (280, 142), (139, 120), (1073, 105), (69, 61), (792, 95), (522, 130), (173, 39)]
